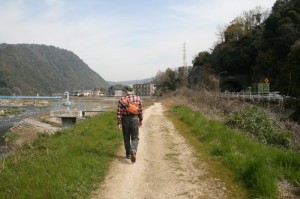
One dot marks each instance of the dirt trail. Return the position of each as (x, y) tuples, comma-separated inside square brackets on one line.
[(165, 166)]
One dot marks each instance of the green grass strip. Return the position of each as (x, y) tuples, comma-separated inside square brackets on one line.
[(258, 166), (69, 164)]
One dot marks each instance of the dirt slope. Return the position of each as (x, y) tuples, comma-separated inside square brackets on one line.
[(164, 168)]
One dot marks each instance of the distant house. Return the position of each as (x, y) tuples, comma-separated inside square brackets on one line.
[(118, 93), (144, 89), (115, 91), (87, 92), (98, 92), (76, 93)]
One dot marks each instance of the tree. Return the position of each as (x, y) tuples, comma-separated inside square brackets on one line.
[(5, 91), (182, 76), (221, 33), (244, 25), (235, 30), (292, 70), (282, 30), (201, 59), (171, 79), (16, 91), (166, 80)]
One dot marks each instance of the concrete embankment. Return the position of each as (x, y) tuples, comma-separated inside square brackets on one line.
[(29, 128)]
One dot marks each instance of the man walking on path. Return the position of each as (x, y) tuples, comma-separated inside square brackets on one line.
[(130, 116)]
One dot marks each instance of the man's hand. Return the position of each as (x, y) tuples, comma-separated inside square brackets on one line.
[(120, 127), (140, 124)]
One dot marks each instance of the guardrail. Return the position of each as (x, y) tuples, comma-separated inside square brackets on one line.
[(31, 97), (253, 96)]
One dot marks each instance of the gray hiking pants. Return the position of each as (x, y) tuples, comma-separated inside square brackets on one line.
[(130, 127)]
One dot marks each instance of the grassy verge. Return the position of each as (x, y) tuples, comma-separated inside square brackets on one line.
[(258, 166), (69, 164)]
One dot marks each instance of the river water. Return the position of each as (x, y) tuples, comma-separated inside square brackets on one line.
[(7, 122)]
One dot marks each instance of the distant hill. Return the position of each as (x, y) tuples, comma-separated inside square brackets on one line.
[(28, 69), (142, 81)]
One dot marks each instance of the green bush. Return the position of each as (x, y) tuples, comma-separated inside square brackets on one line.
[(258, 125)]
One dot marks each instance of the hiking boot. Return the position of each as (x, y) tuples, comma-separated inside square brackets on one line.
[(133, 156), (128, 156)]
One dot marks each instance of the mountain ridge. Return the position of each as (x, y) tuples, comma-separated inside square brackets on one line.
[(29, 69)]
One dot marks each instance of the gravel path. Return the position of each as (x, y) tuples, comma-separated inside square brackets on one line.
[(165, 166)]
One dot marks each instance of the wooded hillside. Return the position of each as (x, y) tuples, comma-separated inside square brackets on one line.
[(28, 69), (259, 44)]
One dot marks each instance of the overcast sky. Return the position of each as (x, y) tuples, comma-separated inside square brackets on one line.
[(122, 39)]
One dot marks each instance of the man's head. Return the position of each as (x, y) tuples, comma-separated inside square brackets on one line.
[(130, 89)]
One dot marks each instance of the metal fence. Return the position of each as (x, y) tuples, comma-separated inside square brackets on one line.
[(253, 96), (83, 104)]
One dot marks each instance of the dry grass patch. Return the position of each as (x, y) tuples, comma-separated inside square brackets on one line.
[(207, 102), (213, 107)]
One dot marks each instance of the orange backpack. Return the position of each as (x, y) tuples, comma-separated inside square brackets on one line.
[(131, 107)]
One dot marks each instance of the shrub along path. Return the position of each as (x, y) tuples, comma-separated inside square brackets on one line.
[(166, 166)]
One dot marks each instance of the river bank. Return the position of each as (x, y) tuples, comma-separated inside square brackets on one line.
[(17, 123), (33, 117)]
